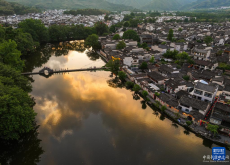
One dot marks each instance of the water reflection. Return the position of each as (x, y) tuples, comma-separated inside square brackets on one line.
[(89, 118), (40, 57), (26, 151)]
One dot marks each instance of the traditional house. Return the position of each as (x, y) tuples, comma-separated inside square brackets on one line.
[(157, 78), (204, 92), (221, 116), (146, 38), (200, 54), (172, 86), (204, 65), (165, 70), (169, 101), (188, 104)]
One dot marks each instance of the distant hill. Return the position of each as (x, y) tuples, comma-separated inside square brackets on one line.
[(166, 4), (204, 4), (154, 4), (72, 4), (119, 5), (9, 8)]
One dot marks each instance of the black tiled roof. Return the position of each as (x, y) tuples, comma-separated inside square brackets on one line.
[(156, 76), (195, 103), (205, 87)]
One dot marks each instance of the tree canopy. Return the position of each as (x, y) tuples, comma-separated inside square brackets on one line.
[(170, 35), (126, 24), (116, 37), (36, 28), (114, 65), (121, 45), (213, 128), (131, 34), (144, 65), (92, 40), (208, 40), (122, 75), (9, 55), (17, 115), (101, 28), (136, 88)]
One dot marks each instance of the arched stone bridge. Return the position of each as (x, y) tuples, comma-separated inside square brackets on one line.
[(47, 72)]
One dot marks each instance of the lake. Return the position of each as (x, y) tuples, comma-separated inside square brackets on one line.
[(87, 118)]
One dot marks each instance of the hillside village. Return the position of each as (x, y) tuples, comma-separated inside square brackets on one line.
[(199, 91), (51, 17)]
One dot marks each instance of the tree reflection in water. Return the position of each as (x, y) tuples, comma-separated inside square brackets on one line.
[(115, 83), (162, 117), (143, 103), (174, 125), (25, 151), (93, 56), (186, 132), (43, 54), (136, 96)]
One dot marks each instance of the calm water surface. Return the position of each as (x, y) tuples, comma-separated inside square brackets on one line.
[(86, 119)]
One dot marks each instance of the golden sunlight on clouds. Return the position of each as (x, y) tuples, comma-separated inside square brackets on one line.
[(113, 102)]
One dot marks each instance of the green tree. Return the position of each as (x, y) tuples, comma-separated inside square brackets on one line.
[(133, 22), (25, 43), (58, 33), (114, 66), (10, 55), (136, 88), (106, 17), (170, 35), (36, 28), (157, 94), (92, 41), (144, 94), (101, 28), (219, 53), (121, 45), (163, 108), (116, 37), (129, 84), (180, 29), (122, 75), (188, 123), (16, 79), (126, 24), (208, 40), (131, 34), (171, 54), (152, 60), (213, 128), (186, 77), (17, 115), (157, 104), (2, 33), (181, 57), (228, 102), (144, 65), (113, 28)]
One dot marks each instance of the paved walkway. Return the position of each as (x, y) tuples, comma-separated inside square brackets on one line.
[(195, 126)]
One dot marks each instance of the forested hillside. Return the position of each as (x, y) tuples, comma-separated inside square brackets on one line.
[(72, 4), (204, 4), (154, 4), (9, 8)]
